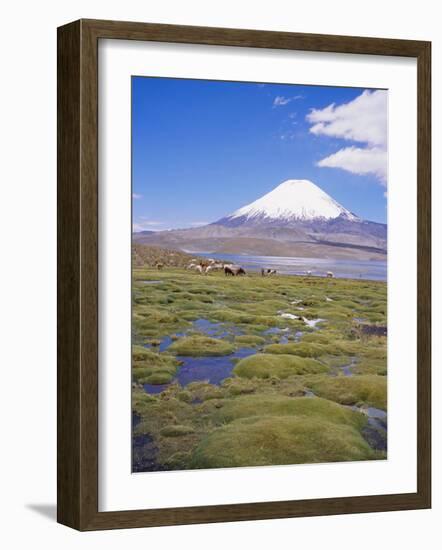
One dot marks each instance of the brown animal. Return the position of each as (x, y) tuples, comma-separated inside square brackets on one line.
[(159, 266), (234, 270)]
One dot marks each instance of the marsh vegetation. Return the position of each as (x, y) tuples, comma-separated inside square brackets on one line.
[(222, 377)]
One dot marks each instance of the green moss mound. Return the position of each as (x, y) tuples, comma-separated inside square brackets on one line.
[(317, 338), (259, 415), (249, 340), (239, 386), (277, 405), (150, 316), (266, 365), (152, 375), (259, 441), (367, 389), (158, 378), (142, 401), (149, 367), (143, 357), (176, 431), (371, 366), (315, 349), (201, 346), (232, 316), (303, 350), (203, 391), (335, 360), (141, 354)]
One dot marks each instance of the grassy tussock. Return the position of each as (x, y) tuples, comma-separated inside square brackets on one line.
[(263, 440), (368, 390), (303, 350), (249, 340), (176, 430), (201, 346), (149, 367), (266, 365), (275, 405), (257, 416)]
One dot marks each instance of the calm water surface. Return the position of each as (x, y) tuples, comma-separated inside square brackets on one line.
[(374, 270)]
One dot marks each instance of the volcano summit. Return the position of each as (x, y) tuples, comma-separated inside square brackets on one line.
[(296, 218), (290, 202)]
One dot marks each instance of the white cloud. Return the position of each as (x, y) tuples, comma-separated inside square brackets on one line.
[(363, 120), (286, 136), (137, 196), (281, 100), (369, 160)]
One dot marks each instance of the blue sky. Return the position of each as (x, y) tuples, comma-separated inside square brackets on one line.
[(201, 149)]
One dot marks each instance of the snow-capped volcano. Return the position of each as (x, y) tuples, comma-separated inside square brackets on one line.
[(292, 200), (297, 218)]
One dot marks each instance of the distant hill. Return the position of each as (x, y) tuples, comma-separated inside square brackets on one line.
[(297, 218), (149, 256)]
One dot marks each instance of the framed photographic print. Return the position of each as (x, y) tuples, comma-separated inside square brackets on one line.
[(243, 275)]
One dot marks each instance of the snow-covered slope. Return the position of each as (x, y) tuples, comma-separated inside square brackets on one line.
[(297, 218), (292, 200)]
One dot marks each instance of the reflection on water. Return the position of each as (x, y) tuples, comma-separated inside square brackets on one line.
[(374, 270), (212, 369), (154, 388), (196, 369), (216, 369)]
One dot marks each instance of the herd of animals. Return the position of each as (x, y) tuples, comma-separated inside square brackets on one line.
[(233, 270)]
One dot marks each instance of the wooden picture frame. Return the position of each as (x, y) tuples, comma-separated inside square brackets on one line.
[(78, 274)]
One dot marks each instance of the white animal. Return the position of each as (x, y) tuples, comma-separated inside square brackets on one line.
[(309, 273), (214, 267), (312, 322), (330, 274), (199, 269), (327, 299), (289, 316), (191, 266)]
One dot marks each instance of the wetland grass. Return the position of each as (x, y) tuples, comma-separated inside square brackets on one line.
[(259, 414)]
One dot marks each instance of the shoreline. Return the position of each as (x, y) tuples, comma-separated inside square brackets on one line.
[(319, 267)]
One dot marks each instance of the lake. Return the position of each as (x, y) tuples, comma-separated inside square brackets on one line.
[(373, 270)]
